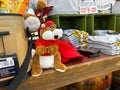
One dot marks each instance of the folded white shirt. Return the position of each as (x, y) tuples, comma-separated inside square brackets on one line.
[(108, 39), (105, 51), (104, 46)]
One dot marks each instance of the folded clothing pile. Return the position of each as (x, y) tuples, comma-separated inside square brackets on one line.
[(76, 37), (108, 44)]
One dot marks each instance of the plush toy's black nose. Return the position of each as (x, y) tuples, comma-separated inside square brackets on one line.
[(56, 37)]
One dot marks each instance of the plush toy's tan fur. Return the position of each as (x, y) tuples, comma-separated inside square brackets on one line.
[(50, 28), (41, 4), (51, 49), (28, 15)]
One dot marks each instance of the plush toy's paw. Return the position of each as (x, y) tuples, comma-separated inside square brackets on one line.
[(60, 67), (40, 50), (53, 49), (36, 71)]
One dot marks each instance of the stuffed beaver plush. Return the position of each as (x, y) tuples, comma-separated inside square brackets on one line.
[(47, 54)]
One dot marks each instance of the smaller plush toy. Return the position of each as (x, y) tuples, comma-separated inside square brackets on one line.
[(42, 10), (31, 20), (41, 4), (47, 54)]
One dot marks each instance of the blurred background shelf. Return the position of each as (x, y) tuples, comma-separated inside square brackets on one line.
[(87, 23)]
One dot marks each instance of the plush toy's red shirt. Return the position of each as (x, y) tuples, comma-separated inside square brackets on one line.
[(46, 43), (66, 49)]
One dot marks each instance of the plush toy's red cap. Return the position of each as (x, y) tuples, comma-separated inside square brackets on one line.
[(47, 24)]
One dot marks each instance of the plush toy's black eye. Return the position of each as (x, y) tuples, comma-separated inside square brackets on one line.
[(50, 27)]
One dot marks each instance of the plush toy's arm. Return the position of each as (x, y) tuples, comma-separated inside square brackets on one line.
[(40, 50), (53, 49)]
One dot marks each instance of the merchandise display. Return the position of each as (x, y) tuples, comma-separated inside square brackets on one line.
[(59, 42), (106, 44), (78, 38)]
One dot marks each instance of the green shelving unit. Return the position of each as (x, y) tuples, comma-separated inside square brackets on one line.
[(118, 23), (90, 24), (70, 21), (87, 23), (105, 22), (101, 22)]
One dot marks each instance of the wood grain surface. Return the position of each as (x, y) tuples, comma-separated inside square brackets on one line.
[(77, 70)]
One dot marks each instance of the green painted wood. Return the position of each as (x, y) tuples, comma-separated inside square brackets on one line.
[(118, 23), (104, 22), (70, 21), (87, 23), (90, 24)]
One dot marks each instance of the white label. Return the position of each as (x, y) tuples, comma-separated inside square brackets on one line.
[(88, 7), (8, 62), (104, 6)]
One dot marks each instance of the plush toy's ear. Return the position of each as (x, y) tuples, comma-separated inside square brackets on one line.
[(46, 10), (41, 4), (30, 11)]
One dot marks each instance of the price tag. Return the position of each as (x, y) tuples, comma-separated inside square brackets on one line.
[(7, 62), (8, 66), (88, 7)]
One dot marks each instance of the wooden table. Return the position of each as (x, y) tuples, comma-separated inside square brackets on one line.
[(76, 70)]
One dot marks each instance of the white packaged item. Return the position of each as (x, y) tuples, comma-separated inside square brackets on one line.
[(107, 47), (100, 32)]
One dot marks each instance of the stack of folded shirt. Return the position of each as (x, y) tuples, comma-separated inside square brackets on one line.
[(109, 44)]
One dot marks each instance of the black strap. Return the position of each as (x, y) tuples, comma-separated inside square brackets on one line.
[(5, 83), (23, 69)]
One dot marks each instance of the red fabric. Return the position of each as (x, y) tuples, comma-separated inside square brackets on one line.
[(38, 13), (47, 24), (46, 42), (43, 12), (46, 10), (66, 49)]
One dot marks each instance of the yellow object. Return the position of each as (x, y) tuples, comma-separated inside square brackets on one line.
[(14, 6), (117, 43)]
